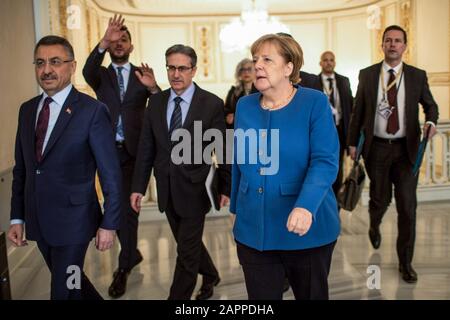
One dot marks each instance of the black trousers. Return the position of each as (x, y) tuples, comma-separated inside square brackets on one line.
[(128, 232), (307, 271), (61, 262), (388, 165), (192, 256), (339, 180)]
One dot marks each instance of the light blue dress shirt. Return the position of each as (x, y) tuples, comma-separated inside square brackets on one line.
[(187, 99)]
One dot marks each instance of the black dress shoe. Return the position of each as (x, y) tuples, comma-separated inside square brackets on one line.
[(408, 273), (375, 237), (286, 285), (119, 283), (207, 290)]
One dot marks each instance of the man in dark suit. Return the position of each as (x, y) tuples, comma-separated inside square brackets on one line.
[(310, 80), (181, 187), (339, 92), (386, 110), (63, 137), (124, 89)]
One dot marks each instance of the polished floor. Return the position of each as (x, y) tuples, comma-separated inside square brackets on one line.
[(349, 277)]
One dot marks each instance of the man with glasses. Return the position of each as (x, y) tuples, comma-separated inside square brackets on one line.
[(124, 88), (63, 138), (181, 187)]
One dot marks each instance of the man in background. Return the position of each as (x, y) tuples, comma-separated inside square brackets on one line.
[(339, 93), (125, 89)]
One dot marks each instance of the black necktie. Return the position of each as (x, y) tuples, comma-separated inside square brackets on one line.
[(176, 119), (393, 124), (331, 97)]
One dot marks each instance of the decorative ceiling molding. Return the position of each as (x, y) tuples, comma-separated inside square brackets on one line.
[(215, 8)]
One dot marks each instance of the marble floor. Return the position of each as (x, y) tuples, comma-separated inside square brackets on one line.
[(349, 277)]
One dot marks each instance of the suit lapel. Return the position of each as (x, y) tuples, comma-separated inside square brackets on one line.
[(194, 109), (31, 125), (64, 117), (320, 81), (114, 81), (373, 89), (407, 77), (132, 82), (165, 102)]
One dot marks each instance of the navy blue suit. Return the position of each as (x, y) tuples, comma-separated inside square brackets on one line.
[(56, 197)]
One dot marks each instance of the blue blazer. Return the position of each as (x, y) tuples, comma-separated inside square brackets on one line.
[(302, 175), (56, 197)]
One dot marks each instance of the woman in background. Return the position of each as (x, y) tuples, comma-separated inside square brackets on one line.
[(244, 75), (286, 220)]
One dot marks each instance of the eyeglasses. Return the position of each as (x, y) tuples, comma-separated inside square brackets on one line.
[(53, 62), (249, 69), (180, 69)]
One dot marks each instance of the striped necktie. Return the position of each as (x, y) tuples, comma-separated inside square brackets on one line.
[(176, 119)]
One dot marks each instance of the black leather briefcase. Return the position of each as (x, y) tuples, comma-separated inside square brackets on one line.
[(350, 192)]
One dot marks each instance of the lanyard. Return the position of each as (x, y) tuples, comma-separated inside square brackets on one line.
[(390, 85), (325, 87)]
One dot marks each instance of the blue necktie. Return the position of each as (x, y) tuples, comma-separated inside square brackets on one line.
[(176, 119), (119, 135), (121, 83)]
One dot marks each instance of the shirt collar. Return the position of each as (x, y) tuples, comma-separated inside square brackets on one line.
[(61, 96), (325, 77), (387, 67), (186, 95), (126, 66)]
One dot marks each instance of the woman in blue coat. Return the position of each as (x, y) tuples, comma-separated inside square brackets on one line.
[(285, 161)]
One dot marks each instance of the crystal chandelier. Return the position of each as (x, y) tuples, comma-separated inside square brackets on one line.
[(241, 32)]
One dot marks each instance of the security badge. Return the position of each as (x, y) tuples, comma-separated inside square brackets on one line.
[(384, 109)]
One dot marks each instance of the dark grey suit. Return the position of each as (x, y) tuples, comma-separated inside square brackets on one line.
[(181, 188)]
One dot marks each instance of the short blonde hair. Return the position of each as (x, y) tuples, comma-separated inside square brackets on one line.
[(287, 47)]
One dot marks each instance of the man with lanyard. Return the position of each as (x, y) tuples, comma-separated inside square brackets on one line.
[(386, 110), (337, 88)]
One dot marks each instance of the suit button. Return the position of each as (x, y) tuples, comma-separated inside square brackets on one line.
[(260, 190), (261, 171), (38, 171)]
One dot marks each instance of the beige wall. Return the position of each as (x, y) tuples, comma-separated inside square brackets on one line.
[(17, 81), (433, 50), (344, 32)]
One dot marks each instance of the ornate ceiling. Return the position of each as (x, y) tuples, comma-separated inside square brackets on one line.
[(225, 7)]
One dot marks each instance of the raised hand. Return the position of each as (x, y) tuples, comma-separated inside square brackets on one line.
[(113, 32), (147, 77)]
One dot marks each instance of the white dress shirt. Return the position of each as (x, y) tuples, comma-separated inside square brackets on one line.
[(380, 122), (337, 112)]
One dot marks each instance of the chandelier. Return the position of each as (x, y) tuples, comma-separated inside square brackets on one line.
[(240, 33)]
